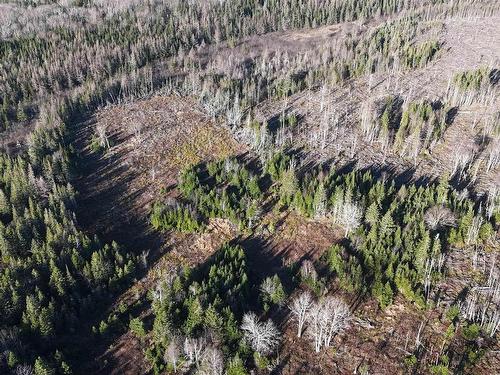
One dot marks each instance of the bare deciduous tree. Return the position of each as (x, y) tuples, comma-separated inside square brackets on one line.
[(326, 319), (212, 362), (336, 315), (307, 270), (101, 134), (438, 217), (173, 352), (234, 114), (168, 277), (350, 217), (493, 200), (268, 286), (264, 337), (347, 214), (473, 231), (317, 328), (24, 370), (300, 307), (193, 349)]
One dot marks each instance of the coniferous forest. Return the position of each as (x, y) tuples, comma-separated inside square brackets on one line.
[(249, 187)]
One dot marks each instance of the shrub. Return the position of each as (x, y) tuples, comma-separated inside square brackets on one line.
[(471, 332), (137, 327)]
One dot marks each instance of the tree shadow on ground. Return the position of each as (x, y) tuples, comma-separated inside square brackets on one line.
[(105, 207)]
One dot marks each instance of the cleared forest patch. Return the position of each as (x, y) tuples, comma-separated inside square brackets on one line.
[(146, 144), (150, 141), (163, 135)]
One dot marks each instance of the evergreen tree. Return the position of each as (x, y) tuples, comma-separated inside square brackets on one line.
[(42, 367)]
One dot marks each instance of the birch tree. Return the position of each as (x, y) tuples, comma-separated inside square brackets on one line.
[(336, 315), (317, 326), (351, 217), (212, 362), (300, 308), (101, 134), (326, 318), (347, 214), (263, 337), (439, 216), (193, 349), (24, 370), (308, 271), (173, 352)]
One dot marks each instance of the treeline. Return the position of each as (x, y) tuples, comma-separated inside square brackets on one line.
[(53, 276), (63, 60)]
